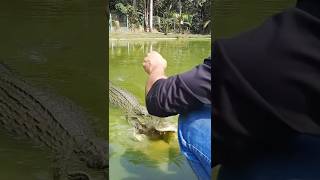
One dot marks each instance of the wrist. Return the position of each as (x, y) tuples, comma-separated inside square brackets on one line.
[(157, 72), (153, 77)]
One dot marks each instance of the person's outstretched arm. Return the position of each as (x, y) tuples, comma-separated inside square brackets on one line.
[(166, 96), (154, 65)]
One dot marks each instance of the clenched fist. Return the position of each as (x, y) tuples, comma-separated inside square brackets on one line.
[(154, 63)]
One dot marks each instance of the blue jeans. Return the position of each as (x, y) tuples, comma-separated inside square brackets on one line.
[(194, 134), (300, 161)]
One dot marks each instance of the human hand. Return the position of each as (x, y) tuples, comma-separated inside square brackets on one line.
[(154, 62)]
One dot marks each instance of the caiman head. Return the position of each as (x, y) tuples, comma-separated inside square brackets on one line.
[(151, 126), (89, 162), (97, 157)]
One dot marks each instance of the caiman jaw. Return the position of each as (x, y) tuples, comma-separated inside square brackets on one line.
[(136, 114), (78, 176)]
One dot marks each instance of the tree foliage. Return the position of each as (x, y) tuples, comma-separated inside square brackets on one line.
[(169, 15)]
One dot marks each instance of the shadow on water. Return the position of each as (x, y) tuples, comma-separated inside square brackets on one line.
[(139, 157), (153, 167), (136, 157)]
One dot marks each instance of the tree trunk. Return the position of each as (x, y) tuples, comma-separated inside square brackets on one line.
[(134, 3), (180, 8), (146, 16), (151, 15)]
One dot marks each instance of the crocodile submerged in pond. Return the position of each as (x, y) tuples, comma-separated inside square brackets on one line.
[(138, 116), (53, 122)]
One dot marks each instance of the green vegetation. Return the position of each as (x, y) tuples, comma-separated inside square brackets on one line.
[(166, 16)]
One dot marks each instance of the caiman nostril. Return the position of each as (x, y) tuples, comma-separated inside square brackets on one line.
[(105, 166)]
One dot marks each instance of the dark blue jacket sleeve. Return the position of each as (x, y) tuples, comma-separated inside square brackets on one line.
[(181, 93)]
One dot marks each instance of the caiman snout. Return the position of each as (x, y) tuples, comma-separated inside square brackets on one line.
[(99, 159), (98, 164)]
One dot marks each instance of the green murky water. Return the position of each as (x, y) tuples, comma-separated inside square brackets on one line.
[(130, 159), (59, 45)]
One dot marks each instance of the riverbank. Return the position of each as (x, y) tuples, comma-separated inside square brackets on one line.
[(153, 36)]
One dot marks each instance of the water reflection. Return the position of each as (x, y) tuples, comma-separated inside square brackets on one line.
[(141, 46)]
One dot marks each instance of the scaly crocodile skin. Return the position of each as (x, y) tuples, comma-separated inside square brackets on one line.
[(55, 123)]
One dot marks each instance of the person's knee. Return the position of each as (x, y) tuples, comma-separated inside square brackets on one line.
[(196, 131), (195, 136)]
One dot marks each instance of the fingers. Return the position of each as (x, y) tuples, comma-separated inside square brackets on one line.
[(146, 59), (153, 61), (153, 53), (144, 64), (146, 67)]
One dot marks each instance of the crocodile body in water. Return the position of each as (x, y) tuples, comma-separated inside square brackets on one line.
[(55, 123), (138, 116)]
